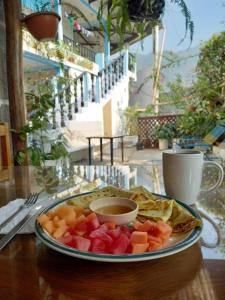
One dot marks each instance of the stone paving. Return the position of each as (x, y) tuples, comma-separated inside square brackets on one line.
[(131, 156)]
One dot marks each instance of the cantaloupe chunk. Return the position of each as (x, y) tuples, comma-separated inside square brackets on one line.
[(78, 210), (139, 248), (42, 219), (49, 226), (67, 213), (60, 223), (56, 219), (64, 210), (138, 237), (50, 214), (59, 232)]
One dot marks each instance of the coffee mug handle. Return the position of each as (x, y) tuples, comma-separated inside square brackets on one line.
[(220, 180), (216, 228)]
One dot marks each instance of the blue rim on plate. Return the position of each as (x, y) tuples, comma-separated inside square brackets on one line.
[(180, 246)]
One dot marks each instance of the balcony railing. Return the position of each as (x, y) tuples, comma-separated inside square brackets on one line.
[(79, 49)]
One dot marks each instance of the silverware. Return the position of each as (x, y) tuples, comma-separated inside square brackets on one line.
[(32, 198), (7, 238)]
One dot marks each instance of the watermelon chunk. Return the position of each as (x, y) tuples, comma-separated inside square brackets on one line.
[(119, 246), (81, 243), (114, 233), (98, 246)]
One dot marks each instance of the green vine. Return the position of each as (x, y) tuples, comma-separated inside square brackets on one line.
[(119, 10)]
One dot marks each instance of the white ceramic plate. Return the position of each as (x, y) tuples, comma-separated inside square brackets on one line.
[(175, 244)]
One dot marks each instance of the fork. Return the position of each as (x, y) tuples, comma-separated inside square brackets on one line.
[(32, 198), (10, 235)]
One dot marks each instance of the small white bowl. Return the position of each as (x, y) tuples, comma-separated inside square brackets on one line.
[(119, 219)]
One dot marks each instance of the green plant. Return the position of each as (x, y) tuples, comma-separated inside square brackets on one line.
[(136, 15), (163, 131), (131, 114), (36, 130), (199, 123), (210, 84), (42, 6)]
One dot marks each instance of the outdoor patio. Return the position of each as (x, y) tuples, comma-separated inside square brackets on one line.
[(112, 150)]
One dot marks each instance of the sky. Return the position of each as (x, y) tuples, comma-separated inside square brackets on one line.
[(208, 17)]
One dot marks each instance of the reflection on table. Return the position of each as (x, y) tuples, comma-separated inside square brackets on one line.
[(195, 273)]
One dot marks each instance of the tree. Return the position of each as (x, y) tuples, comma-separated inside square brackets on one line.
[(210, 84)]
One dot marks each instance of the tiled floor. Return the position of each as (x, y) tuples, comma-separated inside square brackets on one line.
[(131, 156)]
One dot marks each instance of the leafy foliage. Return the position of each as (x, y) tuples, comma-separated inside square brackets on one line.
[(146, 16), (131, 114), (211, 71), (43, 6), (164, 131), (36, 129)]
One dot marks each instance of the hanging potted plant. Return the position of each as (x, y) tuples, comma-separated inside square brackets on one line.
[(138, 15), (43, 23)]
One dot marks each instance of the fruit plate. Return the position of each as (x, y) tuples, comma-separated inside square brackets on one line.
[(176, 243)]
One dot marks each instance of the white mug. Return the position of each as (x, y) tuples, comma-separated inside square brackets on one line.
[(182, 174)]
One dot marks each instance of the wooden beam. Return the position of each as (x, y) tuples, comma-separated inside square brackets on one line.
[(14, 59)]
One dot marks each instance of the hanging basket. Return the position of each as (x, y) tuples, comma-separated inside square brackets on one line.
[(42, 25), (138, 11)]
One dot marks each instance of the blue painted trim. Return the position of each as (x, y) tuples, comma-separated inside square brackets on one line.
[(40, 59), (60, 26), (90, 7)]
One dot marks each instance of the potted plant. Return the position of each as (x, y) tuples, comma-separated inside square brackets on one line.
[(163, 134), (46, 146), (43, 23), (139, 15), (131, 114)]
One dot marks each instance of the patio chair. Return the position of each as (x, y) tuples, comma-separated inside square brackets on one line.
[(206, 143)]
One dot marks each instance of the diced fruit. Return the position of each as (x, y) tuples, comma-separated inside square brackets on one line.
[(66, 239), (67, 213), (110, 225), (139, 248), (165, 230), (127, 230), (50, 214), (139, 237), (60, 223), (81, 243), (153, 245), (79, 228), (100, 234), (92, 223), (137, 224), (114, 233), (98, 246), (78, 210), (59, 232), (155, 239), (42, 219), (49, 226), (119, 246), (146, 226), (56, 219)]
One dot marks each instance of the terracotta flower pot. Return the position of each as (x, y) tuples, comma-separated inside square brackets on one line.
[(42, 25)]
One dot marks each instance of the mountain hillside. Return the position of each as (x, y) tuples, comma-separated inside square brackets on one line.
[(141, 91)]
